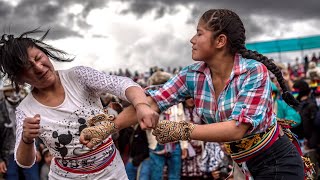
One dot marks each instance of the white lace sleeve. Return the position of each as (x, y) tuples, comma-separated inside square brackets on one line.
[(20, 116), (100, 82)]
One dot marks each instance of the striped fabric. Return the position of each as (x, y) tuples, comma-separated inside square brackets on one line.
[(90, 162), (247, 148)]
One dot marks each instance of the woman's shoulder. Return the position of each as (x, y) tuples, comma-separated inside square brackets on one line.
[(75, 72), (193, 67), (252, 65), (74, 69), (25, 102)]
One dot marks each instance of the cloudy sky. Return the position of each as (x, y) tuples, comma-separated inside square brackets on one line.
[(138, 34)]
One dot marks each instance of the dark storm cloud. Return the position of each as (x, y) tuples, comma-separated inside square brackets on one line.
[(290, 10), (5, 9), (141, 7), (30, 14)]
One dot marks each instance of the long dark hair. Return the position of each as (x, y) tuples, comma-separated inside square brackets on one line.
[(14, 54), (227, 22)]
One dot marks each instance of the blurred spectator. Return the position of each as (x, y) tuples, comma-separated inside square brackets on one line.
[(139, 152), (286, 76), (170, 153), (136, 76), (120, 73), (191, 156), (10, 100), (106, 98), (215, 161), (114, 108), (306, 63), (128, 73), (314, 58), (46, 166), (308, 110), (282, 109), (313, 72)]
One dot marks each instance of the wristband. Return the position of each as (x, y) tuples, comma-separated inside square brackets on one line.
[(26, 141)]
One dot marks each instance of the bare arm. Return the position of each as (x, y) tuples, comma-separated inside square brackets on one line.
[(169, 131), (25, 151), (136, 96), (142, 112), (26, 154), (220, 132), (128, 116)]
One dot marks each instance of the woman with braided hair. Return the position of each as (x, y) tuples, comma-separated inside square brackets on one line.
[(60, 106), (231, 89)]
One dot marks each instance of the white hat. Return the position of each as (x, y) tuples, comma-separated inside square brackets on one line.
[(5, 85)]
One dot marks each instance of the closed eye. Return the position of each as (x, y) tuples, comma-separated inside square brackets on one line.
[(37, 58)]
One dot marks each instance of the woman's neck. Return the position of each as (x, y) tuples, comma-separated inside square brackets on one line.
[(52, 89), (221, 65)]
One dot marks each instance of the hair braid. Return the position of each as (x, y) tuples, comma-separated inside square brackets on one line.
[(224, 21)]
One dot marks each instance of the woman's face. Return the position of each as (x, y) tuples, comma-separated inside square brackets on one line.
[(202, 43), (48, 158), (189, 102), (39, 72)]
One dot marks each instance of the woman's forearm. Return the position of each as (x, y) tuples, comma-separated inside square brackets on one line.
[(128, 116), (26, 154), (136, 95), (220, 132)]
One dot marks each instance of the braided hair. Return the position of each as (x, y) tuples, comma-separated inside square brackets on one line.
[(14, 54), (227, 22)]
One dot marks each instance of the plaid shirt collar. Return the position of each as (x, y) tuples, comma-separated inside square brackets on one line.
[(238, 67)]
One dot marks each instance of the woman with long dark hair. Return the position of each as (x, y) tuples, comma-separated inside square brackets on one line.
[(61, 104)]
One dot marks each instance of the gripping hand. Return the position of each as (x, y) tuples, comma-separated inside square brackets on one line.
[(99, 128), (170, 131)]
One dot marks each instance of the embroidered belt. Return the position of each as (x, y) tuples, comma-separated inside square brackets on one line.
[(90, 162), (250, 146)]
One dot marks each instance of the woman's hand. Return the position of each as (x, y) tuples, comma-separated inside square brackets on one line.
[(3, 167), (147, 117), (100, 127), (170, 131), (38, 156), (31, 129), (184, 153)]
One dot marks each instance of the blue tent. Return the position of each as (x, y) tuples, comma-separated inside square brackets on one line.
[(285, 45)]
